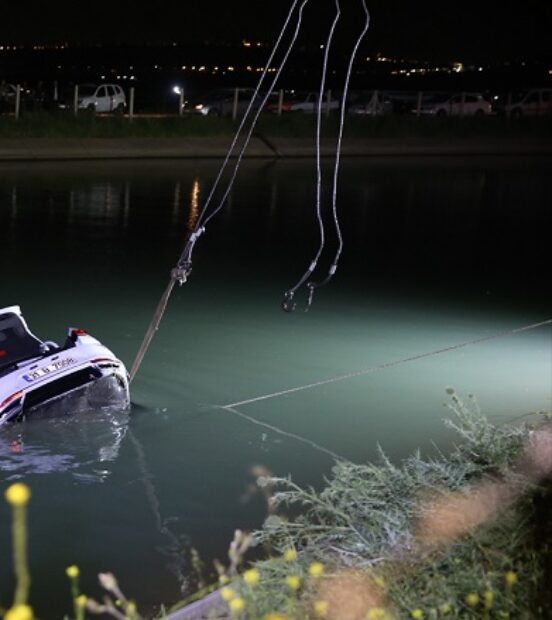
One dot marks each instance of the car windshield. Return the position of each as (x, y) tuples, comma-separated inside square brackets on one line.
[(87, 90), (519, 95), (439, 98), (16, 343)]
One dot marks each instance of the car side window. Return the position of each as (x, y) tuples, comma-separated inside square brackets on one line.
[(101, 92), (532, 98), (471, 99), (546, 96)]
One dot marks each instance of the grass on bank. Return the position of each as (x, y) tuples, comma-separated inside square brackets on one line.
[(463, 535), (64, 125)]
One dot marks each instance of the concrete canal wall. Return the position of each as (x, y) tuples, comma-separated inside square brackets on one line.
[(44, 149)]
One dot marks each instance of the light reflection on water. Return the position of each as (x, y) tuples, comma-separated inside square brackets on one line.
[(436, 253), (80, 444)]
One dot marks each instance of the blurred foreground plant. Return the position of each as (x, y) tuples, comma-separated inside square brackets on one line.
[(432, 537), (454, 536), (18, 496)]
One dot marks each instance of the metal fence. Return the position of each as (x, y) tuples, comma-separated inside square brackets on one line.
[(368, 103)]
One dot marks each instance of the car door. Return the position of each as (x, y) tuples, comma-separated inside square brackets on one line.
[(103, 100), (455, 105), (116, 95), (473, 105)]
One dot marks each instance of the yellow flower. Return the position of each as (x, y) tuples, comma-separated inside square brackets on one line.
[(227, 594), (72, 571), (251, 577), (19, 612), (275, 617), (81, 600), (445, 608), (18, 494), (223, 579), (321, 608), (237, 605), (131, 609), (379, 581), (293, 582), (488, 598), (290, 555), (510, 578), (417, 614), (316, 569), (376, 613), (472, 599)]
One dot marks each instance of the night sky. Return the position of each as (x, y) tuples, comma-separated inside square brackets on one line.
[(430, 29)]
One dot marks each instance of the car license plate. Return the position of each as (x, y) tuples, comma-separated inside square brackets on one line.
[(51, 368)]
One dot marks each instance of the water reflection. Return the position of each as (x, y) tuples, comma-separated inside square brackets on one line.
[(194, 205), (84, 445)]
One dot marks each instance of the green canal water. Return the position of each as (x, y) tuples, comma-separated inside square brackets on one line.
[(437, 252)]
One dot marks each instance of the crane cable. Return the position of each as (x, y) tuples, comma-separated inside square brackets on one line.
[(312, 286), (288, 303), (183, 268)]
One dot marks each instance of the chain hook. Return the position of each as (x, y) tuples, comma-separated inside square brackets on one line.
[(288, 304), (181, 274), (311, 287)]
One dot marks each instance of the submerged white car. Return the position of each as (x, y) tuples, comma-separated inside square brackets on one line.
[(41, 377)]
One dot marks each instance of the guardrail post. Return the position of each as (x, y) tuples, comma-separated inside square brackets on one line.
[(17, 101), (76, 100), (131, 104), (56, 94), (235, 104), (280, 101), (419, 104), (181, 102)]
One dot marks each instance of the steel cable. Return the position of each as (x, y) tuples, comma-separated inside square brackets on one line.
[(183, 268), (312, 286)]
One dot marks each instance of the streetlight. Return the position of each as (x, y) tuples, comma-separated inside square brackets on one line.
[(179, 90)]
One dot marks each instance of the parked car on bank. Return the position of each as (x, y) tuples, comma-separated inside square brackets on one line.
[(221, 102), (308, 103), (371, 103), (97, 98), (459, 104), (535, 102)]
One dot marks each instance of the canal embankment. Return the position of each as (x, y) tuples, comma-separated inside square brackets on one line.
[(260, 146)]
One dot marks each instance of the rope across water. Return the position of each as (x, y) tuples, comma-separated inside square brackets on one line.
[(232, 407), (366, 371)]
